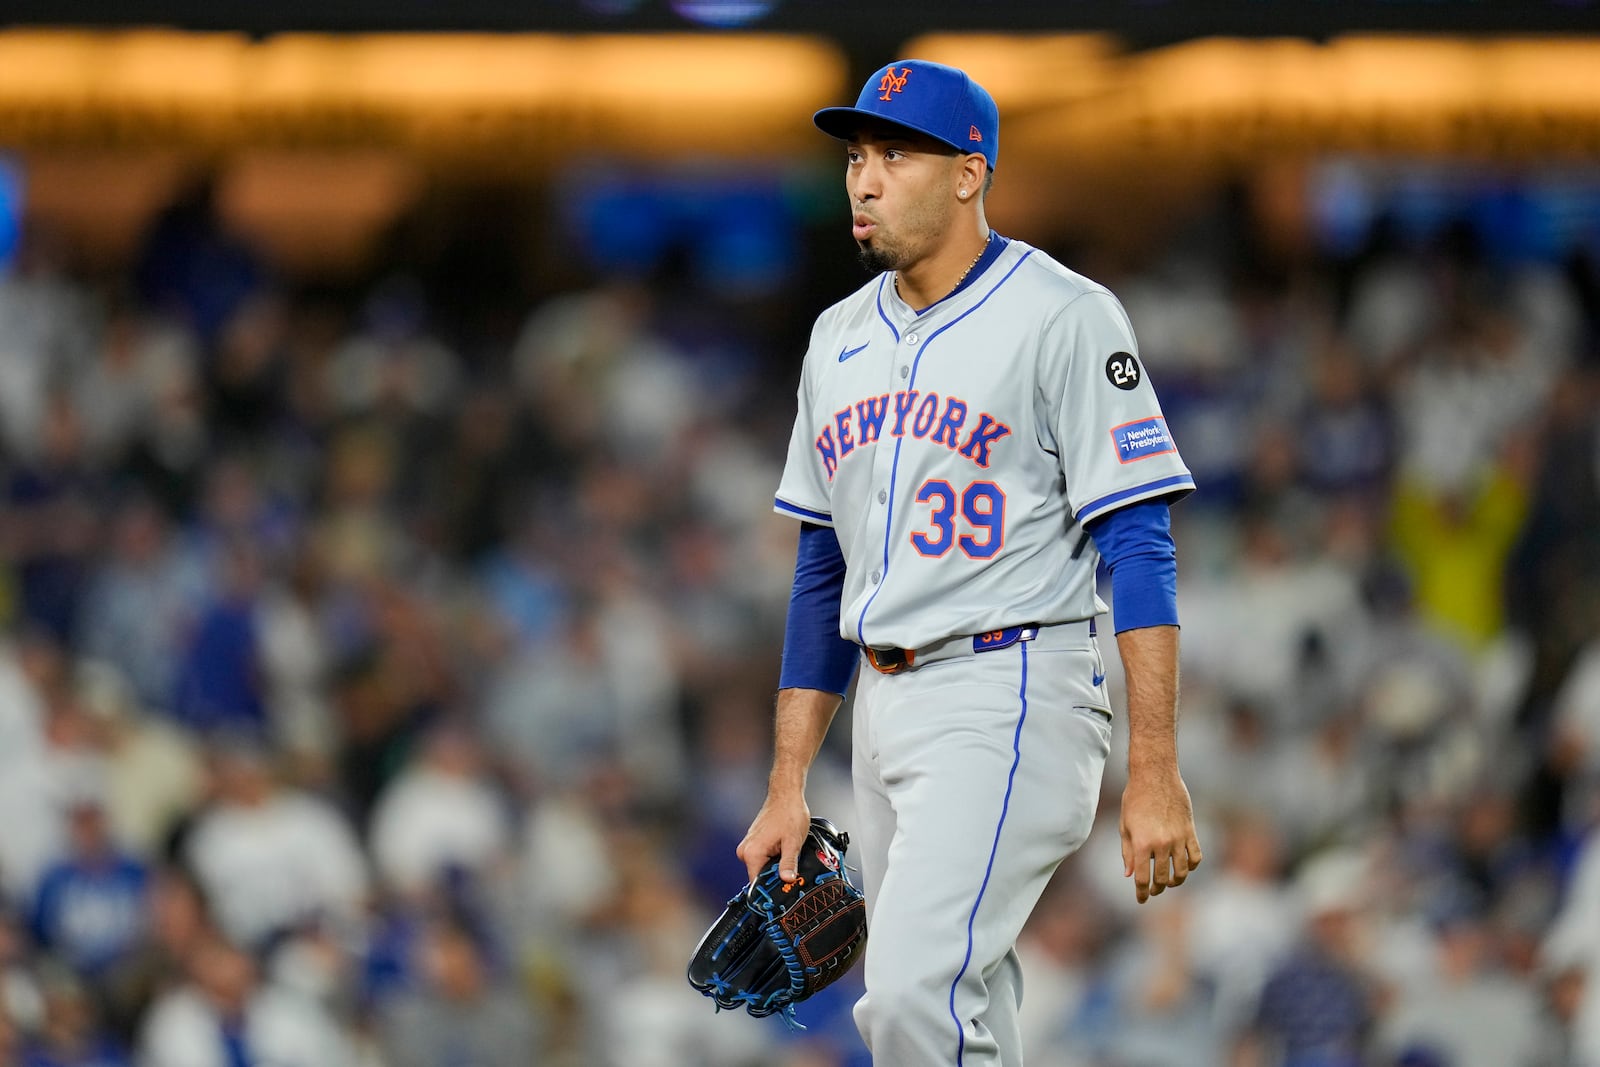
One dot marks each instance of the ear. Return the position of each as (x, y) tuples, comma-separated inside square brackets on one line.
[(969, 177)]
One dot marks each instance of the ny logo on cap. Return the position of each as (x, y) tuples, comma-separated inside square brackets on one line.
[(891, 84)]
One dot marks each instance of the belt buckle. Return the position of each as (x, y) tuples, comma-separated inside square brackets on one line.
[(891, 660)]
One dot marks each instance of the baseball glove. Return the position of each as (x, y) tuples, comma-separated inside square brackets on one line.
[(775, 944)]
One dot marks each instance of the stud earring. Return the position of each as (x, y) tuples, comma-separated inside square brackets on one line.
[(963, 194)]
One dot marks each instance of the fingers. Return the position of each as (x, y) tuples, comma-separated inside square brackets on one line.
[(1180, 864), (1185, 857), (1161, 876), (754, 857), (1155, 868), (760, 844), (1152, 873), (789, 862)]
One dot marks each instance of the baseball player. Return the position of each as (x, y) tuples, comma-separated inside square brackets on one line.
[(975, 433)]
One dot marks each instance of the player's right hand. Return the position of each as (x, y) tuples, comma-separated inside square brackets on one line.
[(779, 830)]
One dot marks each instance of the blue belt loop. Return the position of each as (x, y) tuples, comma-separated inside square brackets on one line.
[(995, 640)]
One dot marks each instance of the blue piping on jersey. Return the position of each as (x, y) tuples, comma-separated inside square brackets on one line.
[(1005, 808), (804, 513), (881, 315), (894, 469), (1086, 512)]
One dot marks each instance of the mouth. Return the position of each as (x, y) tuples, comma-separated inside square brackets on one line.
[(863, 227)]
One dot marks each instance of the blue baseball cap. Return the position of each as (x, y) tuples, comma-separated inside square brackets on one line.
[(930, 98)]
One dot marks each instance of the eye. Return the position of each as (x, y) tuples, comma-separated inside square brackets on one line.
[(853, 155), (893, 153)]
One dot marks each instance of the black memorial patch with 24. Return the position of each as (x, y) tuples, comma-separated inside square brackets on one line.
[(1123, 370)]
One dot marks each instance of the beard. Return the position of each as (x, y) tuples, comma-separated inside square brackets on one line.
[(878, 258)]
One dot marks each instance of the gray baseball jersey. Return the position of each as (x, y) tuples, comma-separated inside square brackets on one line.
[(958, 453)]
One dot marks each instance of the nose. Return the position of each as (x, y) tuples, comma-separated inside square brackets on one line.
[(866, 180)]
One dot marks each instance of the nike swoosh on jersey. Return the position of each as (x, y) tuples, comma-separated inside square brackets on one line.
[(848, 352), (1096, 680)]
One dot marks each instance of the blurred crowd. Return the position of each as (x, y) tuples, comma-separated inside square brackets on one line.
[(376, 695)]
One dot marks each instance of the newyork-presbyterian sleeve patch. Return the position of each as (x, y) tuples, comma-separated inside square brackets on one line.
[(1142, 439)]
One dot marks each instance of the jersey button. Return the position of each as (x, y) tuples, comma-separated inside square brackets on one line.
[(911, 338), (883, 495), (905, 372), (877, 576)]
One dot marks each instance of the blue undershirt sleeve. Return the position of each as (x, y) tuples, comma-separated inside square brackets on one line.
[(814, 655), (1136, 543)]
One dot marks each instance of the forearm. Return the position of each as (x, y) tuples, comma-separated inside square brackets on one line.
[(803, 718), (1150, 664), (1159, 845), (780, 826)]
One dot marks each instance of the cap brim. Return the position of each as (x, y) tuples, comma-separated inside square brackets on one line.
[(845, 122)]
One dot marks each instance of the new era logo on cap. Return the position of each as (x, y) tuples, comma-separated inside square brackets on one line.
[(930, 98)]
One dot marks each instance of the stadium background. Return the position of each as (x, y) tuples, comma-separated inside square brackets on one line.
[(391, 400)]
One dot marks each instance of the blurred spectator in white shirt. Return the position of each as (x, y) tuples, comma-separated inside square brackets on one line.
[(46, 332), (21, 706), (224, 1015), (1577, 719), (1322, 784), (1160, 1007), (142, 602), (394, 366), (441, 815), (1248, 628), (298, 666), (596, 356), (1244, 920), (1060, 950), (1473, 1013), (644, 1013), (268, 856), (40, 786), (552, 711), (154, 776), (141, 361)]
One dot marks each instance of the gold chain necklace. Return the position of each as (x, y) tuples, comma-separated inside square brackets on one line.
[(964, 273)]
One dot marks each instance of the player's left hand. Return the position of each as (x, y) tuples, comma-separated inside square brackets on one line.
[(1159, 844)]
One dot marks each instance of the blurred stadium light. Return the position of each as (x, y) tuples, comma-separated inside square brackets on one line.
[(1087, 116), (528, 100), (537, 100)]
